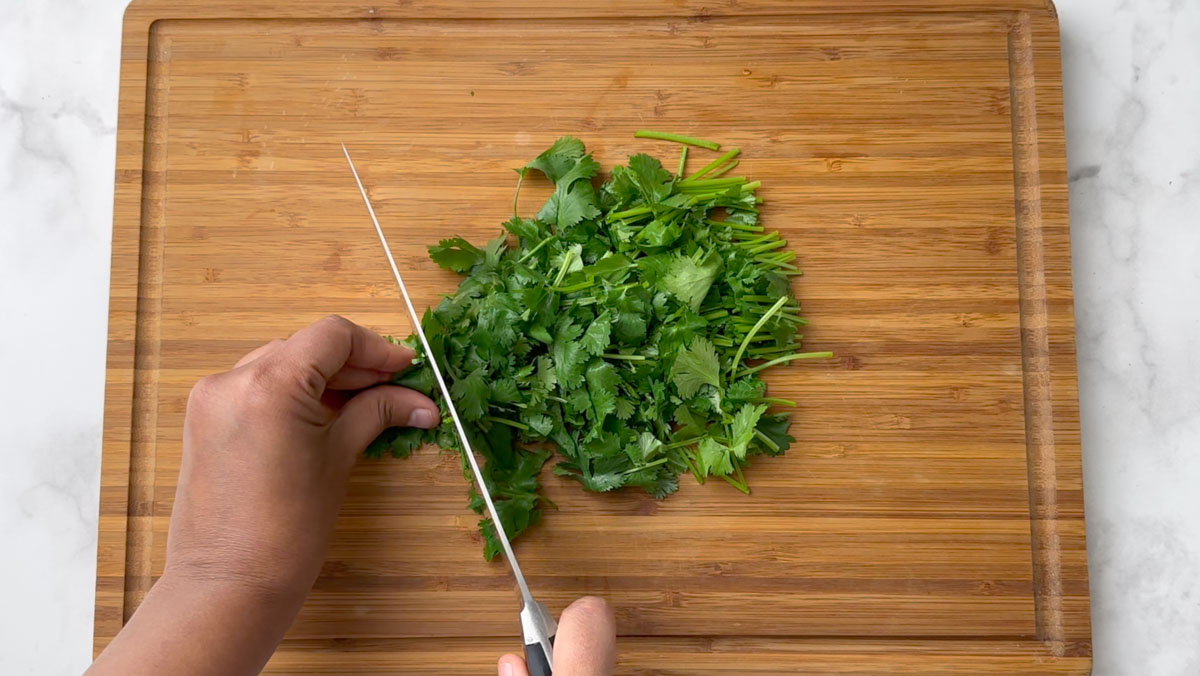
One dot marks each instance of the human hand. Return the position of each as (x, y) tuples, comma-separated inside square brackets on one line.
[(586, 643), (267, 451)]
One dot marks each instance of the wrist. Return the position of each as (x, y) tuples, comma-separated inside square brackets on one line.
[(259, 595)]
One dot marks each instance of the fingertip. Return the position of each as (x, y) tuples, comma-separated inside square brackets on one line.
[(511, 665), (424, 417)]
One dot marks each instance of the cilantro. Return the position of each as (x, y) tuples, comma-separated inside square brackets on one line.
[(623, 330)]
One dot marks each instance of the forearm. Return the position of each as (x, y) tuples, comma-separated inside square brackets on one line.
[(191, 628)]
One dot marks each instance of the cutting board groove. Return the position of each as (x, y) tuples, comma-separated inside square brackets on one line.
[(930, 520)]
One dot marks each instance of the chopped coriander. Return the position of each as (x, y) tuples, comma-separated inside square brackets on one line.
[(621, 329)]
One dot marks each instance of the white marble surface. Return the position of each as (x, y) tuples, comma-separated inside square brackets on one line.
[(1133, 122)]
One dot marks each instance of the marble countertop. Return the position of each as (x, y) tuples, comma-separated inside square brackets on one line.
[(1133, 135)]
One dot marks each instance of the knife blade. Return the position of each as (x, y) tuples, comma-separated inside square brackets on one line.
[(537, 624)]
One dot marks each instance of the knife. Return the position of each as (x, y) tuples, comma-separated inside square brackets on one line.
[(537, 624)]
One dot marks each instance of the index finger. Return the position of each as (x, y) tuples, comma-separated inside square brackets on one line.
[(333, 343)]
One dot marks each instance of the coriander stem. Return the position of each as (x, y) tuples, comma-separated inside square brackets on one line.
[(737, 467), (685, 442), (626, 357), (766, 440), (784, 360), (560, 400), (724, 169), (576, 287), (737, 358), (773, 400), (676, 138), (562, 272), (682, 162), (517, 194), (758, 240), (733, 152), (535, 249), (656, 463), (741, 487), (762, 352), (751, 187), (715, 314), (762, 248), (635, 211), (510, 423), (739, 226)]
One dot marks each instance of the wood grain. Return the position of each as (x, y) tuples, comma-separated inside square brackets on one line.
[(930, 520)]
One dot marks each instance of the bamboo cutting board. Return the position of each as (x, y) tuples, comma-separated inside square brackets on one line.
[(929, 519)]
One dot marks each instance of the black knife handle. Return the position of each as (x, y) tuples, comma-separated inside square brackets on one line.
[(535, 659)]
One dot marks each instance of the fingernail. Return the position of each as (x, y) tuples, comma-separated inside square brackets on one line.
[(421, 417), (506, 669)]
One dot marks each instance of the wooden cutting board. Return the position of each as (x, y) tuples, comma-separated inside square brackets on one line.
[(930, 518)]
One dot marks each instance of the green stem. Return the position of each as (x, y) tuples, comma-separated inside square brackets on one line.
[(759, 240), (766, 440), (677, 138), (738, 226), (682, 162), (733, 152), (510, 423), (536, 248), (562, 272), (732, 482), (784, 360), (751, 187), (517, 195), (762, 352), (685, 442), (763, 248), (715, 314), (648, 465), (773, 400), (778, 256), (737, 467), (576, 287), (737, 358), (626, 357), (725, 169), (714, 183), (635, 211)]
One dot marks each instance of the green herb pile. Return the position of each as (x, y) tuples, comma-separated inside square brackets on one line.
[(624, 327)]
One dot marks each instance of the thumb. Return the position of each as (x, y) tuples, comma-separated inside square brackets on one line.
[(586, 643), (372, 411)]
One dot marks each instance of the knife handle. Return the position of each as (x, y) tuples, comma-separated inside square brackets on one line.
[(535, 659)]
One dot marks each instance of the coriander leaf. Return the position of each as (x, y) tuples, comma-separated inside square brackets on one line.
[(743, 428), (558, 158), (602, 381), (470, 394), (456, 254), (689, 281), (713, 457), (574, 205), (696, 365), (775, 428), (596, 337)]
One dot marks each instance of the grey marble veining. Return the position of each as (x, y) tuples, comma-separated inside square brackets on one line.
[(1133, 145), (1133, 127)]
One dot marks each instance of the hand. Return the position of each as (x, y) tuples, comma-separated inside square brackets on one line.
[(268, 448), (267, 451), (586, 644)]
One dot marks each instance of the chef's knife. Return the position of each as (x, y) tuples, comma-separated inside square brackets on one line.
[(537, 624)]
